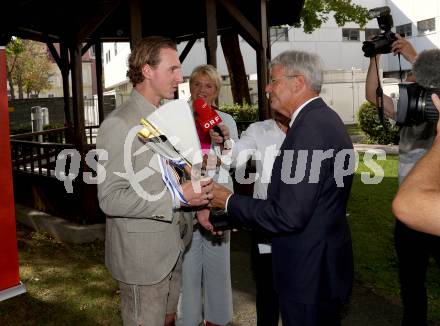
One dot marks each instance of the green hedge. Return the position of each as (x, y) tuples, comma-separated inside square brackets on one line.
[(372, 127), (241, 112)]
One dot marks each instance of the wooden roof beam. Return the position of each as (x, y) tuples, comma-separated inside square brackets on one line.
[(248, 31), (27, 33), (55, 54), (96, 21), (187, 48)]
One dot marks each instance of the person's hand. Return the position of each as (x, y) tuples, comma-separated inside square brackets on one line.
[(404, 47), (220, 195), (436, 101), (215, 136), (203, 218), (197, 193)]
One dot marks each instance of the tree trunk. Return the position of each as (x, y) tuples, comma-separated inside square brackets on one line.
[(11, 86), (237, 72), (20, 89)]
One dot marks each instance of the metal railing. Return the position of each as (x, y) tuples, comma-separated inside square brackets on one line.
[(36, 158)]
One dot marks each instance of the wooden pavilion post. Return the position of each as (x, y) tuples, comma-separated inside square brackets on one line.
[(62, 61), (99, 86), (65, 69), (262, 64), (257, 38), (135, 22), (211, 32), (79, 135)]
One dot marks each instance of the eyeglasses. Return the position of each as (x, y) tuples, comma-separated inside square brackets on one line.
[(274, 80)]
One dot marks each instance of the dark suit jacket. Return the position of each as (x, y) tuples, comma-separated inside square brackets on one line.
[(312, 252)]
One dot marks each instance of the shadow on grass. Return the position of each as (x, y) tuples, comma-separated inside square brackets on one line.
[(27, 310)]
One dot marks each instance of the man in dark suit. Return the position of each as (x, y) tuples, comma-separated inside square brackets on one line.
[(307, 198)]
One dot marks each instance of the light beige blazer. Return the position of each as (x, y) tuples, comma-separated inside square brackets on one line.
[(143, 236)]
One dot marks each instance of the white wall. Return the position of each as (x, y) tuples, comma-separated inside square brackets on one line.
[(115, 70), (327, 42)]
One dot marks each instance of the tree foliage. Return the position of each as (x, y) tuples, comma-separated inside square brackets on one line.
[(29, 66), (314, 13), (14, 48), (317, 12)]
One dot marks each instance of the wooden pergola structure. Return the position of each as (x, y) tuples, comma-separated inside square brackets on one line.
[(77, 25)]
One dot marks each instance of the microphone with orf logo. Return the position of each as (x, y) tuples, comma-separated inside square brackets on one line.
[(207, 118)]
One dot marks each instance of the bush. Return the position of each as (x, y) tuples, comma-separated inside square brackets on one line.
[(20, 129), (370, 124), (241, 113)]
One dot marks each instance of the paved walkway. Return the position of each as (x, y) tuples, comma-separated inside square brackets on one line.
[(365, 309), (389, 149)]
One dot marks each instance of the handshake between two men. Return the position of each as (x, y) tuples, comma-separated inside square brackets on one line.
[(206, 193)]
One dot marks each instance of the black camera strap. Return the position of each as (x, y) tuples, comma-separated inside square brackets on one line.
[(400, 68)]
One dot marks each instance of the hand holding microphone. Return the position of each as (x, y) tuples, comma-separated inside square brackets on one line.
[(209, 120), (222, 137)]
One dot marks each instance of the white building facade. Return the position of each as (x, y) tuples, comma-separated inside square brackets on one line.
[(339, 47)]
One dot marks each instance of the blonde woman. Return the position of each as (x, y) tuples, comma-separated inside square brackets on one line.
[(206, 278)]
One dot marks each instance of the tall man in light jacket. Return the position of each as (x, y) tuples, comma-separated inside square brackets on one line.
[(145, 224)]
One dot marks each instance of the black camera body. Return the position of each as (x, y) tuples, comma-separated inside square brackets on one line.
[(415, 105), (380, 44)]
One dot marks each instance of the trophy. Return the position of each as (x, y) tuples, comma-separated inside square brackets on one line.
[(170, 132)]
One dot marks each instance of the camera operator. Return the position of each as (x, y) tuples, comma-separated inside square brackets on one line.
[(417, 204), (413, 248)]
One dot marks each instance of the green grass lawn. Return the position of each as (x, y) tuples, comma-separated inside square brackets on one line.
[(68, 284), (372, 225), (354, 129)]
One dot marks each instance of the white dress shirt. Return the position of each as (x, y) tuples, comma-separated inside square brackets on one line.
[(262, 140)]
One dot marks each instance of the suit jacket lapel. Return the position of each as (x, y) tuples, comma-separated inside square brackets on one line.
[(316, 104)]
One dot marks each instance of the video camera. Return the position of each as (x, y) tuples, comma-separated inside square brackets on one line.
[(380, 43), (415, 105)]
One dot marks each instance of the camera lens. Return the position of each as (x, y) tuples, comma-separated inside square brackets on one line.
[(428, 109), (368, 49)]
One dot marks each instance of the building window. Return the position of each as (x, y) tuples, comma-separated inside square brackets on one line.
[(426, 26), (350, 34), (116, 49), (279, 34), (404, 30), (371, 32)]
